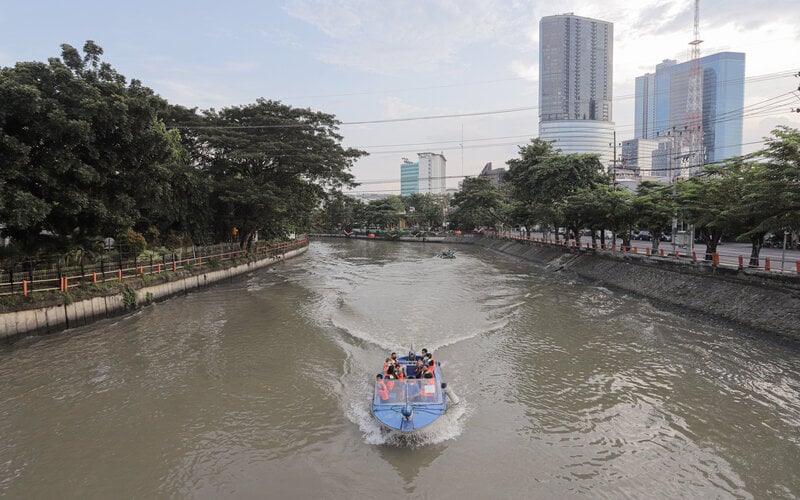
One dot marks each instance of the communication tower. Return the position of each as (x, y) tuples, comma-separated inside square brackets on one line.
[(692, 156)]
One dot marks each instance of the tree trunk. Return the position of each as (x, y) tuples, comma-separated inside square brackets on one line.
[(712, 240), (757, 241)]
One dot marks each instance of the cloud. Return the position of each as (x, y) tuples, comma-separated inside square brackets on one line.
[(529, 72), (392, 37), (282, 37), (191, 95), (394, 107)]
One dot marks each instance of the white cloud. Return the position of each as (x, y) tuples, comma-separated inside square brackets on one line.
[(393, 37), (394, 107), (529, 72), (191, 95)]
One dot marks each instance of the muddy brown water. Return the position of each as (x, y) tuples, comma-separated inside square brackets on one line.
[(260, 388)]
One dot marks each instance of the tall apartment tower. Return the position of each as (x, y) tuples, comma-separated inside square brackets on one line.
[(661, 105), (575, 84)]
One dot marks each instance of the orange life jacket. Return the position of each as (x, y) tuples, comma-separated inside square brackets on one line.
[(383, 391), (390, 383)]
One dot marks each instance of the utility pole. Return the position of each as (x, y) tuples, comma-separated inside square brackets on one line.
[(614, 164)]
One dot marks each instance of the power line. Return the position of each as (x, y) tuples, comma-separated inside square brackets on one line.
[(768, 76), (410, 89)]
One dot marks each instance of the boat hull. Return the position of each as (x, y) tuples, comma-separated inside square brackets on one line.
[(410, 405)]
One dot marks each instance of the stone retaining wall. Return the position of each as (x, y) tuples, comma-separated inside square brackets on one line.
[(769, 303), (57, 318)]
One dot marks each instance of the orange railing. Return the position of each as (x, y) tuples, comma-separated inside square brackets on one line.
[(733, 261), (118, 269)]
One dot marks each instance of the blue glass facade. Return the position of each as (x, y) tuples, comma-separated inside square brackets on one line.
[(661, 100), (409, 178)]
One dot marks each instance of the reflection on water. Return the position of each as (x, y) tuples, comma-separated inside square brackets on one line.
[(261, 388)]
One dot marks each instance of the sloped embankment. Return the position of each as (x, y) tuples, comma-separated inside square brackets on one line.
[(769, 303)]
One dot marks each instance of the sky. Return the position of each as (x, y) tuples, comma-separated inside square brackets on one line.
[(453, 77)]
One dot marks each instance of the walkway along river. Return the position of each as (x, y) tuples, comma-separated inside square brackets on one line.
[(259, 387)]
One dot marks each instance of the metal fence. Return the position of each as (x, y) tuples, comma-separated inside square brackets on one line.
[(729, 260), (53, 275)]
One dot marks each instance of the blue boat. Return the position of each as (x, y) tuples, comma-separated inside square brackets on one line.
[(411, 404)]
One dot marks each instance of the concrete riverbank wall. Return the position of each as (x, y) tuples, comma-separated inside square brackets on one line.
[(756, 299), (53, 319)]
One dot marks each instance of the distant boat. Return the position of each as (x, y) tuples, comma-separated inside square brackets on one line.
[(447, 254), (411, 404)]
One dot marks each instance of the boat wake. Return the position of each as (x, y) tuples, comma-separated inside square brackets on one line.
[(448, 426)]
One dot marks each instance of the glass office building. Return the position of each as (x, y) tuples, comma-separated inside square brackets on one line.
[(409, 178), (427, 175), (575, 84), (661, 100)]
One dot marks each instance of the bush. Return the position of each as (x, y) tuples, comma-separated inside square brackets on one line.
[(132, 240), (129, 301)]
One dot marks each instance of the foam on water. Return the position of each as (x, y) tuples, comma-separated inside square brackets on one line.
[(371, 307)]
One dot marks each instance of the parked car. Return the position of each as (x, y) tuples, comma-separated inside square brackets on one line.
[(643, 235), (665, 237)]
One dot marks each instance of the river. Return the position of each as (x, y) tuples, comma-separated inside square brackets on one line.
[(260, 388)]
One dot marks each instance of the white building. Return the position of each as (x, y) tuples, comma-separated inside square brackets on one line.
[(580, 137), (432, 173)]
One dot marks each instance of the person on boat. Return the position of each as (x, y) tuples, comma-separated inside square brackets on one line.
[(427, 357), (400, 372), (383, 391), (419, 368), (390, 376), (391, 360), (429, 383)]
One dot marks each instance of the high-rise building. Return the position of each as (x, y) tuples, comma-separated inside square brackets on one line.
[(432, 173), (637, 157), (427, 175), (409, 177), (493, 174), (661, 101), (575, 84)]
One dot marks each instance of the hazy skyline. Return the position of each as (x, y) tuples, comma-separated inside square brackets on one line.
[(386, 63)]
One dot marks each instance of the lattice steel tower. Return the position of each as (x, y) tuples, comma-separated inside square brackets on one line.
[(692, 154)]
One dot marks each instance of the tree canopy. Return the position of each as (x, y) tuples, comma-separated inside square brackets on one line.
[(86, 154)]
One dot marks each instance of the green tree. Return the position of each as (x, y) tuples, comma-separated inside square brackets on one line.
[(427, 209), (543, 179), (84, 155), (479, 203), (340, 212), (587, 209), (775, 193), (619, 211), (270, 165), (710, 201), (654, 206), (385, 212)]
